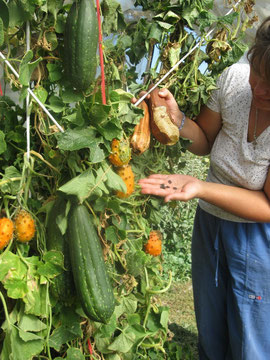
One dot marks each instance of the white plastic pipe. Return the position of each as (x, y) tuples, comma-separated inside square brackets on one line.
[(27, 98)]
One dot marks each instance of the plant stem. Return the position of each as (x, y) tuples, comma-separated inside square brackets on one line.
[(162, 290), (148, 309), (5, 310), (50, 321), (118, 256), (10, 180), (156, 346), (147, 298)]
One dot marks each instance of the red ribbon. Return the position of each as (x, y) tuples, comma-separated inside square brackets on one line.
[(90, 347), (103, 91)]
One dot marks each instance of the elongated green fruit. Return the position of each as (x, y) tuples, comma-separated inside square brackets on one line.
[(62, 286), (80, 44), (91, 279)]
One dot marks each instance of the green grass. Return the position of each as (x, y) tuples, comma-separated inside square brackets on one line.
[(182, 327), (177, 225)]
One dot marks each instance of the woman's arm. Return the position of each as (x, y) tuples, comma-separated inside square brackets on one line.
[(203, 132), (248, 204)]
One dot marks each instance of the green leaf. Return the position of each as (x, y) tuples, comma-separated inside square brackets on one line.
[(3, 145), (207, 18), (121, 223), (14, 346), (153, 323), (164, 25), (113, 357), (76, 139), (21, 281), (4, 15), (114, 206), (228, 19), (31, 323), (82, 186), (12, 275), (96, 153), (55, 72), (113, 16), (208, 4), (111, 234), (17, 14), (138, 331), (120, 96), (101, 176), (26, 68), (100, 204), (155, 32), (136, 261), (114, 181), (74, 354), (62, 219), (56, 104), (164, 317), (190, 14), (71, 96), (15, 286), (7, 347), (171, 16), (111, 130), (129, 304), (99, 113), (52, 265), (2, 34), (65, 333), (124, 41), (36, 301), (28, 336), (11, 179), (41, 93), (123, 343), (73, 118), (54, 7), (133, 319), (102, 343), (174, 52), (107, 330), (52, 40)]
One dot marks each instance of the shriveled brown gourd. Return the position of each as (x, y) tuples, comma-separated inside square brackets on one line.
[(140, 139), (162, 127)]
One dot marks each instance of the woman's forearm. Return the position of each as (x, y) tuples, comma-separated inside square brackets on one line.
[(199, 143), (249, 204)]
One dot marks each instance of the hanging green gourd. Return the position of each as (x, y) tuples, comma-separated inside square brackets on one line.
[(80, 44)]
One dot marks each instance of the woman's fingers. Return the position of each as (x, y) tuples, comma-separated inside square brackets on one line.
[(158, 184), (166, 94), (142, 93), (155, 178), (155, 189), (171, 187)]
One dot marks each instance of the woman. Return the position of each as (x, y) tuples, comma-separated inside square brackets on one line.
[(231, 236)]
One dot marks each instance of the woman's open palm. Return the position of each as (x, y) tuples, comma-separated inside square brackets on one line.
[(171, 187)]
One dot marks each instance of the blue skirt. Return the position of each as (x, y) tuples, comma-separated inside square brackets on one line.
[(231, 285)]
